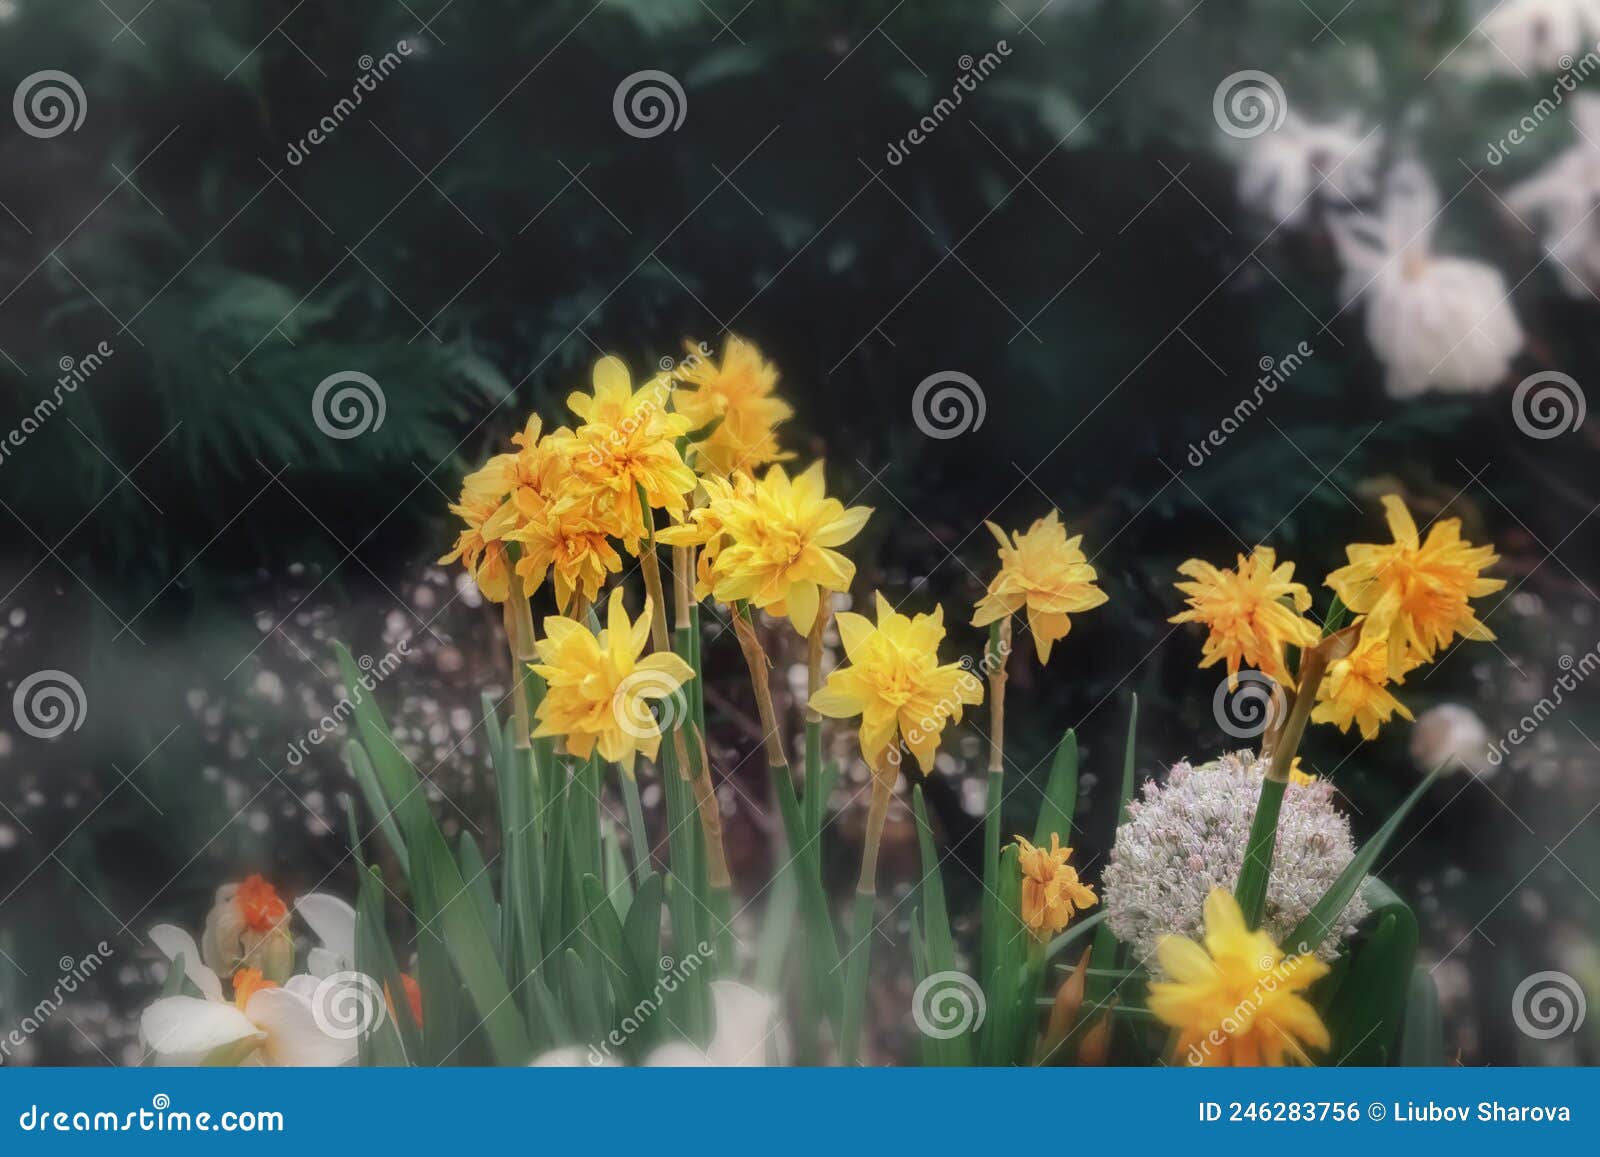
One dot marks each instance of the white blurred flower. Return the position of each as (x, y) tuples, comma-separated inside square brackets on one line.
[(1453, 736), (1285, 173), (263, 1025), (1561, 198), (748, 1028), (1435, 322), (1539, 36)]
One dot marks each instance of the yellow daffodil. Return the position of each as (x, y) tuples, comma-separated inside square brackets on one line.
[(1416, 592), (1051, 890), (1356, 689), (1300, 778), (897, 685), (628, 441), (1046, 572), (1236, 1001), (478, 547), (772, 542), (739, 391), (599, 688), (566, 540), (1252, 612)]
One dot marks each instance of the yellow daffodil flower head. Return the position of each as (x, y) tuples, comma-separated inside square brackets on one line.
[(1237, 999), (896, 683), (1251, 613), (1051, 890), (628, 441), (479, 547), (739, 391), (1356, 688), (599, 689), (567, 541), (1300, 778), (1045, 572), (1413, 591), (773, 542)]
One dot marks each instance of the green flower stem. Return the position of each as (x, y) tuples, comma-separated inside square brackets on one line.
[(998, 651), (822, 946), (1256, 872), (855, 985)]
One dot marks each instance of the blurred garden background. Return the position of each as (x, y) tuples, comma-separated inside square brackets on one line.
[(1079, 235)]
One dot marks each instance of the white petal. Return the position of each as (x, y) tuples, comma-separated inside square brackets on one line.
[(175, 942), (294, 1038), (321, 962), (676, 1054), (747, 1022), (184, 1030), (303, 985), (332, 921), (572, 1057)]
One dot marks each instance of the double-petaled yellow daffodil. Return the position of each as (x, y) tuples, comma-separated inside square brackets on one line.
[(771, 542), (739, 391), (1045, 572), (1415, 592), (1251, 612), (628, 442), (897, 685), (1356, 689), (479, 546), (567, 541), (1236, 1001), (599, 689), (1051, 890)]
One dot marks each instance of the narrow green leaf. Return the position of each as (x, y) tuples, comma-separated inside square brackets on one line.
[(1060, 802), (1422, 1037), (1313, 930)]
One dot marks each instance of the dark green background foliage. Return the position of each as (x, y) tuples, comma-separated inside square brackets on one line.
[(479, 229)]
